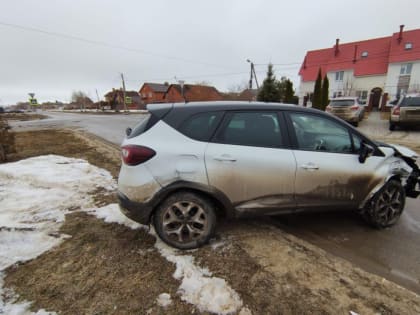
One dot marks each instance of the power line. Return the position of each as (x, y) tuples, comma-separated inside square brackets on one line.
[(105, 44)]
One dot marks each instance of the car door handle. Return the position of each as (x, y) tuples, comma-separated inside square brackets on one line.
[(309, 166), (225, 158)]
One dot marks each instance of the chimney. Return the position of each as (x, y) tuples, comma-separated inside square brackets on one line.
[(336, 51), (355, 54), (400, 35)]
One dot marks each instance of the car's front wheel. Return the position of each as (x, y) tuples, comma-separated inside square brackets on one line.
[(185, 220), (387, 205)]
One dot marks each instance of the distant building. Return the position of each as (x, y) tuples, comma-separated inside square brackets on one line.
[(245, 95), (192, 93), (115, 99), (375, 70), (153, 92)]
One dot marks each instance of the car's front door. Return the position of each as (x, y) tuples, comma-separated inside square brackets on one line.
[(249, 162), (328, 172)]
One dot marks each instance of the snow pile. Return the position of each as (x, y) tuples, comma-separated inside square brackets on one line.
[(198, 287), (164, 300), (35, 195)]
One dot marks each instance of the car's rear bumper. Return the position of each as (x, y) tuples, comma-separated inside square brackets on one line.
[(137, 211)]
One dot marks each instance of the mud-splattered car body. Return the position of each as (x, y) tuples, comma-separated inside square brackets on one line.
[(185, 163)]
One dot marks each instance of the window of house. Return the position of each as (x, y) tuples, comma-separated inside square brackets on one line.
[(201, 126), (339, 76), (408, 46), (362, 95), (406, 68), (364, 54), (150, 94), (337, 94), (257, 129), (315, 133)]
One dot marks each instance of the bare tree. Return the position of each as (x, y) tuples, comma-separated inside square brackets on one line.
[(80, 98)]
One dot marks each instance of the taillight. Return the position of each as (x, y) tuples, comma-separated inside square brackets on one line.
[(136, 154), (354, 107), (396, 110), (328, 108)]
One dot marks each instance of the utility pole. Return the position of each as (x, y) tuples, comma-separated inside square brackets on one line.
[(123, 84), (252, 75), (97, 96)]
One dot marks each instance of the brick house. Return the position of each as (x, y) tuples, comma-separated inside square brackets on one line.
[(192, 93), (245, 95), (153, 92), (375, 70), (115, 99)]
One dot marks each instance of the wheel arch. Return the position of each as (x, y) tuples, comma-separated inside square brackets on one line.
[(223, 205)]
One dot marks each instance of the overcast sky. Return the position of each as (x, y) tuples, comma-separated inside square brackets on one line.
[(159, 40)]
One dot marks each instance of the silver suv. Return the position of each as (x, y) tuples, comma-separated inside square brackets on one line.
[(187, 164), (347, 108), (406, 112)]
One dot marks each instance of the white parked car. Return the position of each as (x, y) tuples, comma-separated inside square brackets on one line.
[(347, 108), (188, 164)]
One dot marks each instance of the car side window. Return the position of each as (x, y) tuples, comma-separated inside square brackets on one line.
[(258, 129), (201, 126), (316, 133)]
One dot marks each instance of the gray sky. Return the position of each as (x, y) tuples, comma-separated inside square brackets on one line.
[(192, 40)]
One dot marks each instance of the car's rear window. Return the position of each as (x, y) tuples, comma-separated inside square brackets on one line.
[(144, 125), (411, 101), (201, 126), (342, 103)]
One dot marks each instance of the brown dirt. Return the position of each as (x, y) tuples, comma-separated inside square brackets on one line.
[(109, 269), (22, 116)]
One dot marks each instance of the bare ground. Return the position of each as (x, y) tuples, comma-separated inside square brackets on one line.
[(109, 269), (23, 116)]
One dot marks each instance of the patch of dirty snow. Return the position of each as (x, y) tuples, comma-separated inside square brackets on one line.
[(35, 195), (198, 287), (164, 300)]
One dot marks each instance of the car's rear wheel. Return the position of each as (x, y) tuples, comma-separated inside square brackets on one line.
[(387, 205), (185, 220), (391, 126)]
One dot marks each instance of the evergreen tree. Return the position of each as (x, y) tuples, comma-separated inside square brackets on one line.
[(317, 97), (289, 93), (269, 91), (325, 92)]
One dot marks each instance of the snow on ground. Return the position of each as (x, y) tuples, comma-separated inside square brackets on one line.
[(35, 195)]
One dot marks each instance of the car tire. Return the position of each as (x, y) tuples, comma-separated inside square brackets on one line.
[(185, 220), (387, 205), (391, 127), (356, 124)]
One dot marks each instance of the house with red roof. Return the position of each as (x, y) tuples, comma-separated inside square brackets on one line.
[(192, 93), (153, 92), (375, 70)]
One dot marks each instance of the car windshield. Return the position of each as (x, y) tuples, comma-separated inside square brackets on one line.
[(342, 102), (411, 101)]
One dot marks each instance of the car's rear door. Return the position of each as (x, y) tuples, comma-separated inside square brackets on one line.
[(329, 174), (249, 160)]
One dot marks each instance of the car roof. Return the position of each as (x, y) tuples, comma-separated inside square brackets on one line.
[(198, 107), (343, 98)]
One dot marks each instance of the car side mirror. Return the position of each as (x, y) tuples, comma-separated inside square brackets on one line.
[(366, 150), (128, 131)]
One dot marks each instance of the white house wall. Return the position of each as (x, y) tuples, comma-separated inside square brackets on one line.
[(394, 73), (348, 86)]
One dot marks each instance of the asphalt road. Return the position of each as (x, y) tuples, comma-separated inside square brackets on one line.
[(393, 253)]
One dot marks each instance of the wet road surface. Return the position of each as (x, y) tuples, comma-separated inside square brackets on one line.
[(392, 253), (110, 127)]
